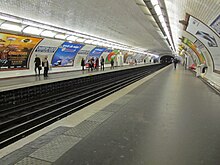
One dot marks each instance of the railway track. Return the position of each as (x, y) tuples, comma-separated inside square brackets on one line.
[(21, 120)]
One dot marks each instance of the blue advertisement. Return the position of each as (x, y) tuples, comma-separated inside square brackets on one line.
[(108, 50), (65, 54), (97, 52)]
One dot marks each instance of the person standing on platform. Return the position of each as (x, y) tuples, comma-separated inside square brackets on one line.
[(175, 61), (37, 62), (92, 63), (102, 63), (45, 64), (97, 63), (112, 63), (83, 64), (135, 62)]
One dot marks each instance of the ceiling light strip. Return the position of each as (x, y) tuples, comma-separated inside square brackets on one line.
[(36, 28)]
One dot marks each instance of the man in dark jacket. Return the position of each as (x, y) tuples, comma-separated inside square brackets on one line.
[(102, 63), (37, 62), (175, 61)]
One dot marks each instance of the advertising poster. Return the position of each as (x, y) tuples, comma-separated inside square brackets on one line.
[(83, 53), (65, 54), (125, 57), (208, 37), (139, 57), (128, 56), (15, 51), (46, 48), (192, 54), (96, 52), (195, 49), (106, 53), (111, 55), (216, 24)]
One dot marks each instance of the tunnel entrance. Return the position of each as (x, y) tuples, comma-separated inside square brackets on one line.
[(166, 59)]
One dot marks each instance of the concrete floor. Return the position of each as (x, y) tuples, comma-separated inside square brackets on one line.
[(172, 119)]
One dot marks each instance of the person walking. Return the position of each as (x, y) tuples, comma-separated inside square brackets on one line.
[(175, 61), (102, 63), (45, 64), (37, 62), (83, 64)]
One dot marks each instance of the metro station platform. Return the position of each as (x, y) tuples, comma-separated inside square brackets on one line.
[(32, 80), (168, 118)]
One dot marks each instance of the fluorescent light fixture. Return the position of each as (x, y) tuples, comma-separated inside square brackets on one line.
[(31, 23), (48, 27), (164, 24), (61, 36), (81, 35), (166, 30), (72, 38), (154, 2), (73, 33), (32, 30), (158, 10), (60, 30), (96, 39), (95, 42), (37, 24), (88, 41), (48, 33), (11, 26), (106, 45), (10, 18), (100, 43), (161, 18), (80, 40)]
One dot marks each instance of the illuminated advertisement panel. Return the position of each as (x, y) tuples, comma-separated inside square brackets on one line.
[(96, 52), (65, 54), (111, 55), (195, 49), (15, 51), (83, 53), (208, 37), (106, 53), (216, 25), (46, 48)]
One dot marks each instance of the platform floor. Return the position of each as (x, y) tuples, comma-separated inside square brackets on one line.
[(20, 82), (170, 119)]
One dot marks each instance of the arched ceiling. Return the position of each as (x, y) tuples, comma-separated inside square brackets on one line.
[(205, 10), (119, 20)]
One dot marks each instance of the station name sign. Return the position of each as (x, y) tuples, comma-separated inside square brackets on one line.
[(46, 49)]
